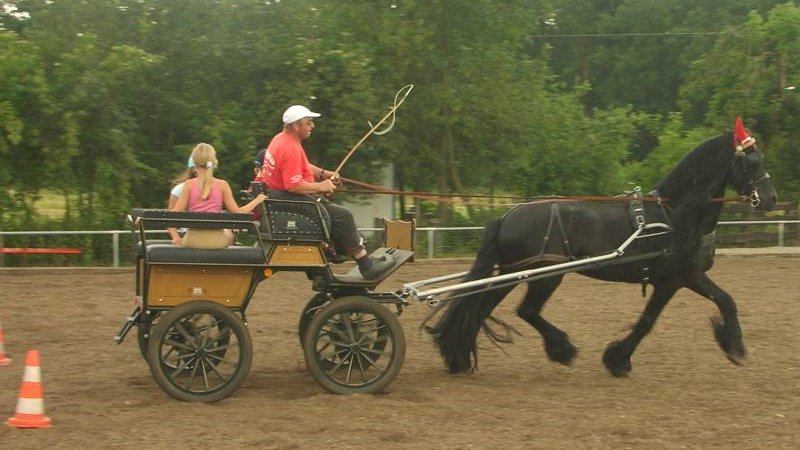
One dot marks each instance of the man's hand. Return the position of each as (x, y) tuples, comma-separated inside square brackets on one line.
[(326, 186)]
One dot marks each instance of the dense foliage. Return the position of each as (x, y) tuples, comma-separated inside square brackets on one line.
[(102, 100)]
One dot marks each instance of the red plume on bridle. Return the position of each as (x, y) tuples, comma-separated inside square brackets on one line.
[(741, 138)]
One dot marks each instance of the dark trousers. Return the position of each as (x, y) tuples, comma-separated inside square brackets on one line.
[(343, 229)]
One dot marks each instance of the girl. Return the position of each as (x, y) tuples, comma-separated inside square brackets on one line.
[(205, 193)]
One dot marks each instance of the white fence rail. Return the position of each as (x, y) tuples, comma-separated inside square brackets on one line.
[(430, 234)]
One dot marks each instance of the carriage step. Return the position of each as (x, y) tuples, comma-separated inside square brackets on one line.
[(126, 327), (354, 275)]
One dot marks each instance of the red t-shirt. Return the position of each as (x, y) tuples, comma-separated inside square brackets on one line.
[(285, 163)]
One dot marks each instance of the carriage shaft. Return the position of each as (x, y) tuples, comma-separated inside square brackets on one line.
[(516, 277)]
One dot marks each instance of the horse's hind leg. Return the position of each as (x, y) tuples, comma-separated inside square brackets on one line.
[(727, 331), (556, 342), (617, 357)]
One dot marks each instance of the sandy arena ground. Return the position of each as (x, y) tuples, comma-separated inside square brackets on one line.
[(682, 393)]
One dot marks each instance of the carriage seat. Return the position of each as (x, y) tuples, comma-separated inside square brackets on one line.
[(159, 251), (296, 217), (139, 247), (232, 255)]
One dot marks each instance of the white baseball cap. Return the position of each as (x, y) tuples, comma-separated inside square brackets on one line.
[(297, 112)]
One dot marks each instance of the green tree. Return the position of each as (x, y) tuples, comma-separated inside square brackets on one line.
[(98, 94), (747, 73), (674, 142), (25, 112)]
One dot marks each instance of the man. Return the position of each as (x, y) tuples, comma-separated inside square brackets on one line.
[(286, 168)]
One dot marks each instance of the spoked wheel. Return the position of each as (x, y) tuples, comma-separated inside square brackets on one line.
[(312, 307), (199, 352), (144, 328), (354, 345), (315, 304)]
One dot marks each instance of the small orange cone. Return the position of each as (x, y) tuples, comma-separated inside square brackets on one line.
[(30, 405), (3, 359)]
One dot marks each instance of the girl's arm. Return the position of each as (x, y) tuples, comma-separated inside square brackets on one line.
[(230, 202)]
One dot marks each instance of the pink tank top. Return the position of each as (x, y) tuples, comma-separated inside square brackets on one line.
[(212, 204)]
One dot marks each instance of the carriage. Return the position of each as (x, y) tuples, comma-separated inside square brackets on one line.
[(191, 303)]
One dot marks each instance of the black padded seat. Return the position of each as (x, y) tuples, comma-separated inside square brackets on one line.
[(233, 255), (140, 247), (297, 217)]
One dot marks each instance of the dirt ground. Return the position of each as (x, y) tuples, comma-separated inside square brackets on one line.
[(682, 393)]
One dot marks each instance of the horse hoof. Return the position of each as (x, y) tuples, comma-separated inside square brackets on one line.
[(619, 368), (737, 354), (730, 343), (738, 360), (562, 354), (617, 373), (618, 365)]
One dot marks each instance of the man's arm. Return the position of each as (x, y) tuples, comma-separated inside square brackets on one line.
[(313, 187), (317, 171), (322, 174)]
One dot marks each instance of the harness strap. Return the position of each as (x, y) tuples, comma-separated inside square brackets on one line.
[(546, 257), (636, 208), (555, 219)]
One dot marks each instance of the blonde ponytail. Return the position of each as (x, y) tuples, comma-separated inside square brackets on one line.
[(204, 156)]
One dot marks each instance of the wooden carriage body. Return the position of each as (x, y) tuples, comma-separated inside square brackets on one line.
[(191, 302), (287, 235)]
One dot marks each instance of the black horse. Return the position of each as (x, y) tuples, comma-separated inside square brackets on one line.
[(677, 249)]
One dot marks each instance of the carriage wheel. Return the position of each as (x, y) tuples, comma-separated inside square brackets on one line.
[(315, 304), (354, 345), (144, 329), (199, 352), (311, 308)]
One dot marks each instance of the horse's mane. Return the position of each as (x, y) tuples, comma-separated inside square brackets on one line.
[(702, 172), (700, 176)]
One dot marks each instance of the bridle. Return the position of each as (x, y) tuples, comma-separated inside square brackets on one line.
[(755, 199)]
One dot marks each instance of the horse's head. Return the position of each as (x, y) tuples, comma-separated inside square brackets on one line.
[(748, 174)]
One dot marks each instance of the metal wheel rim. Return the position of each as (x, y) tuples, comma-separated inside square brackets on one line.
[(354, 348), (200, 353)]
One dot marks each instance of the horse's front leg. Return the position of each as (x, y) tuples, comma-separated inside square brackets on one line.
[(617, 357), (727, 331), (556, 342)]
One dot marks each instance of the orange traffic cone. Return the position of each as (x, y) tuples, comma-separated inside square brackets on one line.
[(30, 405), (3, 359)]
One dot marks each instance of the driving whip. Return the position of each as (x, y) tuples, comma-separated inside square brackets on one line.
[(399, 98)]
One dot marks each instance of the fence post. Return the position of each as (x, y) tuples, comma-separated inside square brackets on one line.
[(780, 234), (430, 243), (115, 249)]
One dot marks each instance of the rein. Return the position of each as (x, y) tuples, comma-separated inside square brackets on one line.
[(372, 189)]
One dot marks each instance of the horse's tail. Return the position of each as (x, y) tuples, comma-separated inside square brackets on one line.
[(457, 330), (486, 257)]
